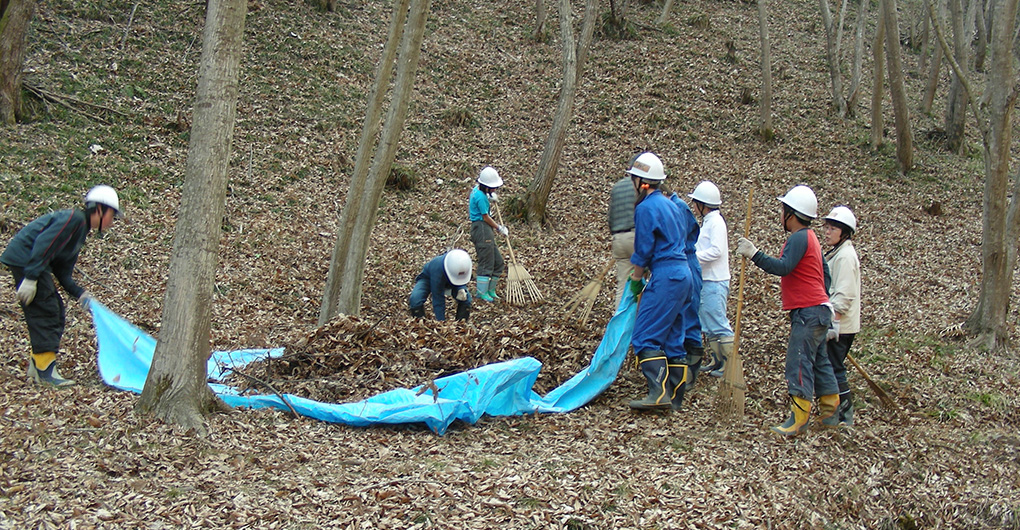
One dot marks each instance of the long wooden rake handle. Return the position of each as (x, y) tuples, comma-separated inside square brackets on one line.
[(499, 217), (740, 282), (882, 396)]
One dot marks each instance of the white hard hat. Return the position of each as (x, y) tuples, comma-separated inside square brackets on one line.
[(842, 214), (490, 177), (802, 200), (457, 264), (104, 195), (706, 193), (647, 166)]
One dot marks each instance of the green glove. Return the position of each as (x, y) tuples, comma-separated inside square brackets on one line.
[(636, 286)]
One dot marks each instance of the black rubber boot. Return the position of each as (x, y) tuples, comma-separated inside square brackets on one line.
[(677, 383), (418, 312), (653, 367), (714, 362), (695, 354), (846, 409)]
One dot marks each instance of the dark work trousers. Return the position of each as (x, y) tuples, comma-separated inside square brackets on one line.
[(46, 315), (838, 350), (490, 261)]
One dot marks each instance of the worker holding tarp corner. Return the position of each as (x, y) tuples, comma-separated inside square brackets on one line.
[(802, 285), (45, 249), (444, 275), (658, 335)]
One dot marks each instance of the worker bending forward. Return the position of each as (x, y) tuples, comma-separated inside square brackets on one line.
[(808, 370), (659, 326), (444, 275)]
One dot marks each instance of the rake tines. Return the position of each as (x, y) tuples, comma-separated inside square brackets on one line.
[(518, 279), (584, 300)]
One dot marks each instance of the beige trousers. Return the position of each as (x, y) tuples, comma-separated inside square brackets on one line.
[(623, 248)]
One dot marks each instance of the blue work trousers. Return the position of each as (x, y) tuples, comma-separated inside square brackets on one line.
[(659, 324), (808, 370)]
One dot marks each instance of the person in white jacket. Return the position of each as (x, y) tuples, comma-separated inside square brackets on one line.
[(845, 295), (713, 254)]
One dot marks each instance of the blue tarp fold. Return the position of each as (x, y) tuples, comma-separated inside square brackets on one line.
[(498, 389)]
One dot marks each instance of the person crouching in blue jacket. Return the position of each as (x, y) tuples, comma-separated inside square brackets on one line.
[(445, 275), (659, 329)]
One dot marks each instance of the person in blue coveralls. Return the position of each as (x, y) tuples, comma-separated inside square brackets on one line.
[(659, 329), (45, 249), (483, 233), (692, 320), (444, 275)]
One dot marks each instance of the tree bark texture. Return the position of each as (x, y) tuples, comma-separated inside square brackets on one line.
[(765, 108), (176, 389), (901, 111), (832, 57), (855, 78), (540, 16), (878, 87), (349, 217), (956, 101), (361, 215), (537, 195), (936, 67), (14, 20)]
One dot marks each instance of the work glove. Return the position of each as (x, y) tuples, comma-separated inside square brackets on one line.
[(461, 295), (493, 196), (504, 231), (26, 291), (635, 286), (746, 248), (85, 299), (833, 333)]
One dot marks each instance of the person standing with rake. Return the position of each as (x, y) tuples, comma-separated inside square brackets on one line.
[(802, 286), (659, 330), (483, 233), (714, 255)]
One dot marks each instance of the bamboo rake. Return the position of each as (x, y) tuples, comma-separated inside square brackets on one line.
[(730, 400), (886, 400), (584, 300), (518, 279)]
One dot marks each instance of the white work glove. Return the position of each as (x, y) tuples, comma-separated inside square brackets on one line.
[(833, 333), (493, 196), (746, 248), (85, 299), (461, 295), (26, 291), (504, 231)]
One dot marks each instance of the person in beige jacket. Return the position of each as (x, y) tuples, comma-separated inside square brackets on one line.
[(845, 295)]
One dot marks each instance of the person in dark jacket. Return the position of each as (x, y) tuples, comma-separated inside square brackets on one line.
[(444, 275), (45, 249)]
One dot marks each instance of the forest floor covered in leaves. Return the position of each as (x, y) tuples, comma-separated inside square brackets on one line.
[(124, 76)]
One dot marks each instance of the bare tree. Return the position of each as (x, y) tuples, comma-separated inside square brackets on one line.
[(855, 78), (667, 6), (765, 125), (878, 86), (176, 388), (832, 34), (901, 111), (15, 16), (541, 13), (993, 111), (537, 195), (374, 161), (956, 102)]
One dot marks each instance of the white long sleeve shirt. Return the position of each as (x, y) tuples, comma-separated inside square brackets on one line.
[(713, 249), (845, 287)]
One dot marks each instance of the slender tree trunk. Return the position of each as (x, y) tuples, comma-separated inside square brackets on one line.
[(956, 102), (537, 195), (901, 111), (765, 120), (925, 38), (540, 16), (14, 21), (176, 389), (832, 55), (855, 78), (666, 7), (982, 36), (349, 217), (878, 91)]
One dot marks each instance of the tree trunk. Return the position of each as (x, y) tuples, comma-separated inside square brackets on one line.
[(901, 111), (14, 20), (878, 88), (540, 16), (765, 126), (999, 226), (982, 36), (855, 79), (956, 102), (537, 195), (832, 55), (361, 215), (666, 7), (366, 147), (176, 389)]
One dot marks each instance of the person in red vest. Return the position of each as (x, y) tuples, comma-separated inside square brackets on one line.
[(803, 272)]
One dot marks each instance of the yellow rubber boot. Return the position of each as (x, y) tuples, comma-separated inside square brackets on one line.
[(800, 412), (42, 368), (827, 407)]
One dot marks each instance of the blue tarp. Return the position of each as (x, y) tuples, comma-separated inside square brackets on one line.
[(499, 389)]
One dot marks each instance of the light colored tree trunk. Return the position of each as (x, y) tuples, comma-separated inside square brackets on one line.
[(366, 147), (956, 102), (855, 78), (14, 21), (360, 211), (540, 16), (901, 111), (832, 56), (981, 23), (537, 195), (878, 86), (925, 38), (666, 7), (936, 67), (176, 388), (765, 108)]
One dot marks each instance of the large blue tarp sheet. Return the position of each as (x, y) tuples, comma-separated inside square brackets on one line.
[(499, 389)]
